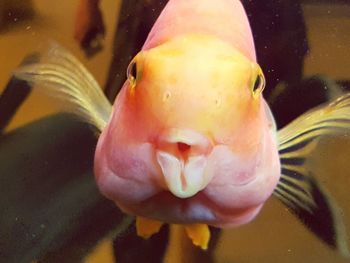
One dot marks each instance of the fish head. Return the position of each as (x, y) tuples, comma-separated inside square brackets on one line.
[(191, 139)]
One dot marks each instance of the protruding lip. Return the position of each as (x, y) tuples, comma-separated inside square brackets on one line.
[(184, 178), (181, 155)]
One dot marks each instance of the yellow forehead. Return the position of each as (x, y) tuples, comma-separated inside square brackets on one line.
[(195, 81), (196, 60)]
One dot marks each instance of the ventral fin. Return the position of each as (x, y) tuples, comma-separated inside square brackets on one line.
[(199, 234), (147, 227)]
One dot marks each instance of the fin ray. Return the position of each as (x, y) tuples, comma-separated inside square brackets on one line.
[(298, 188), (65, 78)]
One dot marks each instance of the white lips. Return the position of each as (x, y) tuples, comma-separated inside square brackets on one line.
[(184, 179)]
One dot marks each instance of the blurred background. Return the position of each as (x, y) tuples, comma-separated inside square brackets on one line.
[(276, 235)]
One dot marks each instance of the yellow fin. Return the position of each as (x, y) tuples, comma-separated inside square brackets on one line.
[(147, 227), (199, 234)]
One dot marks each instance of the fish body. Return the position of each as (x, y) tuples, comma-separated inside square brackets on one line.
[(190, 139), (193, 88)]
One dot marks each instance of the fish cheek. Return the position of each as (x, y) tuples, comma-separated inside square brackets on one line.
[(123, 144), (131, 169), (241, 130)]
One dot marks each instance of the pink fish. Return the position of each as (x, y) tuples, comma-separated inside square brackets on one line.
[(190, 139), (192, 154)]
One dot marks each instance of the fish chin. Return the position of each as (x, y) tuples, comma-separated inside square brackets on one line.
[(166, 207), (238, 218)]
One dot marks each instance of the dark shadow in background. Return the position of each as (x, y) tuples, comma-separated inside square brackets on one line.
[(50, 206), (14, 12)]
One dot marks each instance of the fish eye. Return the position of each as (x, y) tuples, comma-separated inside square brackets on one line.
[(259, 84), (132, 73)]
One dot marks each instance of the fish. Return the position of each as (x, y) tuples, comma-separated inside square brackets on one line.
[(190, 139)]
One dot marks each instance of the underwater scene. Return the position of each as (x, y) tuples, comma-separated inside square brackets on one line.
[(174, 131)]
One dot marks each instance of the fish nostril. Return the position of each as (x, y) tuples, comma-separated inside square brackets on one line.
[(183, 147)]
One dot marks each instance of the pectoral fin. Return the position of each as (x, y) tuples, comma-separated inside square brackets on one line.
[(62, 76), (298, 188)]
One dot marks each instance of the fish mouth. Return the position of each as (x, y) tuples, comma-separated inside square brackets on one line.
[(182, 157), (190, 161), (185, 178)]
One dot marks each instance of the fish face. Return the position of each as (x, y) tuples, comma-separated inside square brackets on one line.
[(191, 139)]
